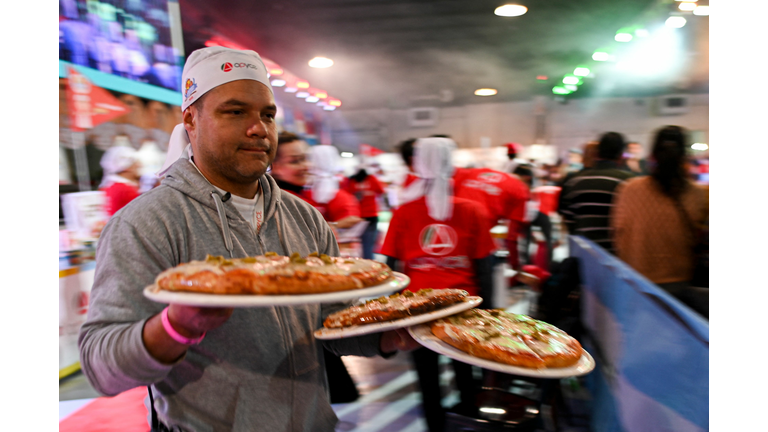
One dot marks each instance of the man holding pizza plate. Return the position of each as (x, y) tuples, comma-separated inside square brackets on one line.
[(216, 369)]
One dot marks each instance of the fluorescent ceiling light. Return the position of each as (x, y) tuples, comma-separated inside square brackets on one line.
[(701, 11), (291, 89), (581, 71), (561, 90), (675, 22), (485, 92), (320, 62), (329, 108), (490, 410), (346, 154), (601, 56), (312, 99), (686, 6), (699, 146), (278, 83), (302, 94), (510, 10), (571, 87), (571, 80), (623, 37)]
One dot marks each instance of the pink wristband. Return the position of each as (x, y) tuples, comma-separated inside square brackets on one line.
[(174, 334)]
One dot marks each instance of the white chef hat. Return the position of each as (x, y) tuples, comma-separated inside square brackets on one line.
[(118, 158), (432, 162), (206, 69), (325, 161)]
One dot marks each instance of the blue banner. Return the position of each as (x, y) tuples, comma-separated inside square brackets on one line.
[(652, 351)]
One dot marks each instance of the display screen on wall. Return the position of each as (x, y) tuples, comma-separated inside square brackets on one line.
[(127, 38)]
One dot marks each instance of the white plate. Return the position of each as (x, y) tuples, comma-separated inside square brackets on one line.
[(424, 336), (399, 282), (359, 330)]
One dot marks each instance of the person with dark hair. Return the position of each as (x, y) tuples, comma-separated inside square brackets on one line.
[(587, 198), (634, 160), (406, 152), (656, 217), (366, 188)]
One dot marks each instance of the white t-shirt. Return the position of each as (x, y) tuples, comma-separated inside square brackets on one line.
[(252, 210)]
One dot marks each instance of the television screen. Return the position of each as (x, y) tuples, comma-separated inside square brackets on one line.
[(127, 38)]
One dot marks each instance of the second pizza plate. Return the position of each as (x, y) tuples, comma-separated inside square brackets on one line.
[(359, 330)]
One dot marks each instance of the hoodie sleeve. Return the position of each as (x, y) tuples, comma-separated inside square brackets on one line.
[(112, 352)]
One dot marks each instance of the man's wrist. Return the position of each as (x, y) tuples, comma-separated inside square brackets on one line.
[(179, 333)]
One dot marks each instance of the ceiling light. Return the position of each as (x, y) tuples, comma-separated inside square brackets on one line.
[(571, 79), (510, 10), (312, 99), (581, 71), (275, 71), (302, 94), (302, 84), (347, 154), (334, 102), (571, 87), (329, 108), (699, 146), (322, 104), (701, 11), (321, 95), (686, 6), (542, 77), (601, 56), (278, 83), (675, 22), (641, 33), (561, 90), (485, 92), (490, 410), (291, 89), (623, 37), (320, 62)]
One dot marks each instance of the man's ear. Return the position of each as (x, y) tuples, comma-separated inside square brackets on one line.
[(189, 119)]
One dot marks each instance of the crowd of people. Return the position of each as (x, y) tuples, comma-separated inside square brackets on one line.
[(233, 186)]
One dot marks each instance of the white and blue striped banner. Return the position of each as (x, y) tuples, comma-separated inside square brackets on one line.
[(652, 352)]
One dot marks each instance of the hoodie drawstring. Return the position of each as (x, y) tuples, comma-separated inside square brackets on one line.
[(224, 225)]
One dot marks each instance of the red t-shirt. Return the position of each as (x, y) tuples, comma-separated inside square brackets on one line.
[(502, 196), (118, 195), (439, 254), (409, 178), (341, 206), (366, 193)]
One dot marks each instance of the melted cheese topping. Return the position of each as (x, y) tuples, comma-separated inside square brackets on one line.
[(277, 265), (395, 302)]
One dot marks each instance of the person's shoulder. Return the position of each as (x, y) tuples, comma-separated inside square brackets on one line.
[(344, 196)]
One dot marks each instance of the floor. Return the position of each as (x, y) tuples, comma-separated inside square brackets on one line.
[(389, 395)]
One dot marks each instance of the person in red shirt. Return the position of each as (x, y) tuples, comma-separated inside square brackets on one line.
[(366, 188), (503, 196), (442, 242), (291, 170), (121, 177)]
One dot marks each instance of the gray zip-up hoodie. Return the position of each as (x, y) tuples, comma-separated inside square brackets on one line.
[(262, 370)]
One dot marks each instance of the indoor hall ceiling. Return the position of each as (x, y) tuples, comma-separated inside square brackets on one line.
[(401, 54)]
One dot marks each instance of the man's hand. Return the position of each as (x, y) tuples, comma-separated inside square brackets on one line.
[(189, 321), (397, 340)]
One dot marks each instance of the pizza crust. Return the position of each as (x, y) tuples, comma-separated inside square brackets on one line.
[(274, 275)]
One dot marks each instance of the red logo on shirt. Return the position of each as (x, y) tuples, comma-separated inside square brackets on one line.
[(438, 239), (226, 67)]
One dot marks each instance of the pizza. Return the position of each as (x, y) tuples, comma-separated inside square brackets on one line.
[(271, 274), (508, 338), (395, 306)]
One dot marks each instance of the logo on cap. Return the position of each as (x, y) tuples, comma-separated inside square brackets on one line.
[(438, 239), (189, 88), (226, 67)]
